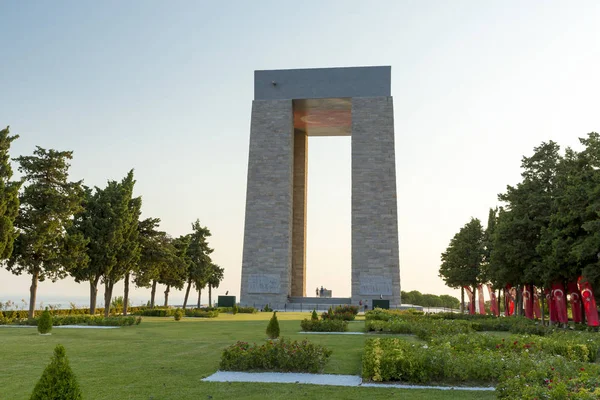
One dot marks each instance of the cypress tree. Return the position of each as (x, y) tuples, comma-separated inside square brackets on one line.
[(273, 327), (58, 381)]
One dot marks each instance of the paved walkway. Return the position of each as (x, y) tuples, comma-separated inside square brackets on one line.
[(319, 379)]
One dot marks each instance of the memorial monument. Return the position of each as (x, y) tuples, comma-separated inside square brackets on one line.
[(288, 107)]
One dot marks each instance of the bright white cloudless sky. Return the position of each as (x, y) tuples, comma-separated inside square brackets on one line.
[(166, 88)]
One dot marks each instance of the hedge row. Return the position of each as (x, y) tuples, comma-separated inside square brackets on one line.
[(91, 320), (324, 325), (241, 310), (20, 314), (202, 313)]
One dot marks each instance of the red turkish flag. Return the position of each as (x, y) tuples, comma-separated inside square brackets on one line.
[(481, 300), (589, 302), (551, 307), (537, 311), (493, 301), (509, 301), (560, 302), (471, 299), (528, 301), (575, 296)]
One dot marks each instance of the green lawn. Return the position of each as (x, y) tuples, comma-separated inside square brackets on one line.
[(164, 359)]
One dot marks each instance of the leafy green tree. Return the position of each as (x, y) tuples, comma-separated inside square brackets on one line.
[(520, 224), (173, 271), (108, 221), (45, 247), (198, 258), (128, 254), (462, 260), (215, 276), (9, 196), (58, 381), (155, 252)]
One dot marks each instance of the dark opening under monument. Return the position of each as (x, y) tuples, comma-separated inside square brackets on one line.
[(288, 107)]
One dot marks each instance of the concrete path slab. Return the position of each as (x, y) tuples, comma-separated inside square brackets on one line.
[(332, 333), (321, 379), (284, 377)]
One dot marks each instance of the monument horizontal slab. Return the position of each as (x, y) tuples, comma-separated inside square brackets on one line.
[(320, 83)]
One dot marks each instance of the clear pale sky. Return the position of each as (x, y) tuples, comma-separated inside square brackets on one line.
[(166, 88)]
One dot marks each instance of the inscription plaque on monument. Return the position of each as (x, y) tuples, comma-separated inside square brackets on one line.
[(264, 283), (375, 285)]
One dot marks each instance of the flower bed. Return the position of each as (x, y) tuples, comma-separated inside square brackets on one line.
[(280, 355), (324, 325)]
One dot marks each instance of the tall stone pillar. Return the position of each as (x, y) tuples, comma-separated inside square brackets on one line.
[(299, 214), (375, 260), (267, 255)]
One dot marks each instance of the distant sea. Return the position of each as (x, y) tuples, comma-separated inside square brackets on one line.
[(84, 301)]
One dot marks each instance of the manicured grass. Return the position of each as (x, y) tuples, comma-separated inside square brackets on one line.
[(165, 359)]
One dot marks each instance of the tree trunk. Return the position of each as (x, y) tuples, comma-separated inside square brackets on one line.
[(519, 300), (93, 295), (187, 293), (126, 294), (474, 300), (167, 296), (498, 300), (152, 294), (209, 295), (462, 300), (199, 295), (542, 300), (33, 293), (583, 319), (108, 288)]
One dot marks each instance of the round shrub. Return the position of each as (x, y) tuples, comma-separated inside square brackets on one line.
[(178, 314), (273, 327), (45, 322)]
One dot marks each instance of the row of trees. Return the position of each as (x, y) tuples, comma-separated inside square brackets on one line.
[(429, 300), (547, 230), (51, 228)]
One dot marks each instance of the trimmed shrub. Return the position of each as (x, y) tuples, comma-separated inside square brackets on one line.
[(278, 355), (44, 322), (314, 316), (346, 313), (156, 312), (92, 320), (241, 310), (178, 314), (58, 381), (202, 313), (273, 327), (235, 309), (324, 325), (266, 308)]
